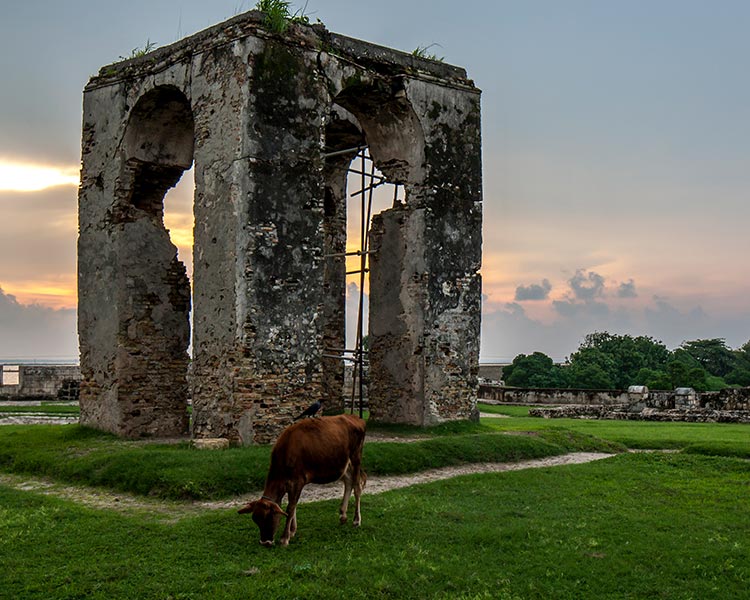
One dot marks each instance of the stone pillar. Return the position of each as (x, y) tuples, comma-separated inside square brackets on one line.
[(134, 296), (334, 282), (425, 303), (280, 282), (221, 100)]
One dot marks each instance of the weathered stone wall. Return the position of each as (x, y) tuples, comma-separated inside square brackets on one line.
[(263, 112), (552, 396), (688, 415), (43, 382), (725, 406), (727, 399), (134, 296), (491, 372)]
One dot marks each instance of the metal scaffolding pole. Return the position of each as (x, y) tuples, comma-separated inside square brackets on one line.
[(369, 181)]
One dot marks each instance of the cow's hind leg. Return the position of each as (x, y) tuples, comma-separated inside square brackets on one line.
[(348, 484), (359, 485)]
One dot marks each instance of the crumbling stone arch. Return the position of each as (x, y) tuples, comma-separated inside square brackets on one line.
[(266, 220), (146, 382), (157, 146), (379, 116), (422, 329)]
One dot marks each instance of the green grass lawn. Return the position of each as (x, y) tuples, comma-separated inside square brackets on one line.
[(633, 526), (704, 438), (672, 526)]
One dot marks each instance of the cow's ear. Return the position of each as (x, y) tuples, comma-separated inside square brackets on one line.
[(277, 509), (247, 508)]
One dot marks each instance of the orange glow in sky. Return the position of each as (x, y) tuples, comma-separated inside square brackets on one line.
[(51, 294), (20, 177)]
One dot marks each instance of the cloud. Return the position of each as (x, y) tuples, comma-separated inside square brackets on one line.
[(582, 299), (534, 291), (508, 330), (586, 286), (571, 309), (30, 331), (627, 290)]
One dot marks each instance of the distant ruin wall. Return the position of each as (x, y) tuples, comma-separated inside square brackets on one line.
[(727, 399), (688, 415), (551, 396), (41, 382), (731, 405)]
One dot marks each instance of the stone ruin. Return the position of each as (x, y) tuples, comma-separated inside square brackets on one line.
[(730, 405), (270, 122), (637, 403)]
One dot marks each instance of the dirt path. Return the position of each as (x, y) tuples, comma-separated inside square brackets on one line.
[(36, 419), (173, 511)]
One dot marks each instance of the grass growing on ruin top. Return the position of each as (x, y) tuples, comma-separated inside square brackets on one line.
[(633, 526), (75, 454)]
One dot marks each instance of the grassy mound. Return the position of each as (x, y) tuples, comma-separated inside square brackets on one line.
[(80, 455)]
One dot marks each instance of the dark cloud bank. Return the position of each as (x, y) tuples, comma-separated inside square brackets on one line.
[(30, 331), (534, 291)]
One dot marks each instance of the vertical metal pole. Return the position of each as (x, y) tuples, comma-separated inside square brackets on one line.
[(364, 263), (357, 364), (364, 242)]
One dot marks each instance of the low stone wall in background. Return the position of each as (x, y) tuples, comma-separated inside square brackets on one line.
[(725, 406), (513, 395), (690, 415), (41, 382)]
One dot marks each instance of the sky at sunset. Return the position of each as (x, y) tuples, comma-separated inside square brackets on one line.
[(616, 150)]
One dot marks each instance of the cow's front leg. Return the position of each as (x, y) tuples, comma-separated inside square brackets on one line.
[(290, 527)]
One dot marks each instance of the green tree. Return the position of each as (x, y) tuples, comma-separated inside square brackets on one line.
[(712, 354), (740, 374), (628, 356), (590, 369), (533, 370), (686, 371), (654, 379)]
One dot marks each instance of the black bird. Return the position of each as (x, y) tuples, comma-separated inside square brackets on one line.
[(310, 411)]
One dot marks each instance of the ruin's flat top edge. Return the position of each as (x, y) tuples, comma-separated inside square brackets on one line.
[(368, 54)]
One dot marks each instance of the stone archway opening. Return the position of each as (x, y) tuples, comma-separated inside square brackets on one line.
[(369, 128), (149, 385)]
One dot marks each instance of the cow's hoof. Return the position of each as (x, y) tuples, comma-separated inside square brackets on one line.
[(357, 522), (284, 542), (342, 520)]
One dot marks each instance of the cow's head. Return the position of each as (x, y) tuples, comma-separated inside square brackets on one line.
[(267, 516)]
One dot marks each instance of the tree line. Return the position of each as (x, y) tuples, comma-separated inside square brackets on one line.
[(607, 361)]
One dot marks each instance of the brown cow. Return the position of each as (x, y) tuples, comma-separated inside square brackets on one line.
[(319, 450)]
